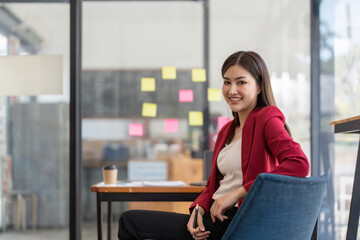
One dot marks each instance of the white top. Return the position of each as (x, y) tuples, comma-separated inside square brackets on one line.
[(229, 165)]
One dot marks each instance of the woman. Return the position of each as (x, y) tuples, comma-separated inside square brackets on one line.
[(256, 141)]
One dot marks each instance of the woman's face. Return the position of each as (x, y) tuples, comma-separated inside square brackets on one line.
[(240, 89)]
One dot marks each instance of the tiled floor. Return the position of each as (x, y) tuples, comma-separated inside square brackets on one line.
[(89, 232)]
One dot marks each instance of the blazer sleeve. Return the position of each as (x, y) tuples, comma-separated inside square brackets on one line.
[(204, 200), (291, 159)]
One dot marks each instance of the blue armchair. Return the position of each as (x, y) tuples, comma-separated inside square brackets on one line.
[(279, 207)]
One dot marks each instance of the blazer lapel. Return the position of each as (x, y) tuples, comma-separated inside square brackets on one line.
[(247, 139), (222, 140)]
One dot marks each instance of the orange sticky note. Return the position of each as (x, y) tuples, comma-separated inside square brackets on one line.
[(214, 95), (198, 75), (195, 118), (149, 109), (186, 95), (222, 121), (136, 129), (168, 72), (148, 84), (171, 125)]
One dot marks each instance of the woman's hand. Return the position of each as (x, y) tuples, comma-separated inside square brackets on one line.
[(226, 202), (198, 233)]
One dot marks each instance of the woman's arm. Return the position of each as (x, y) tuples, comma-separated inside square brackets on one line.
[(291, 158)]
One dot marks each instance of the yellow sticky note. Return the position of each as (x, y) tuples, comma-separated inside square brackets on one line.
[(198, 75), (148, 84), (149, 109), (195, 118), (169, 73), (214, 95)]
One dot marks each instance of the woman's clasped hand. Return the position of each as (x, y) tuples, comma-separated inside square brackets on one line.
[(198, 233), (226, 202)]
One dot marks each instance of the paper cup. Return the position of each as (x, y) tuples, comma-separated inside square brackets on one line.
[(110, 174)]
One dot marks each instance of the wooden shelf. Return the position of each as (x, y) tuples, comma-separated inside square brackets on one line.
[(99, 163)]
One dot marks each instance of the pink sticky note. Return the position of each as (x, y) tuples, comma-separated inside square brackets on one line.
[(222, 121), (186, 95), (171, 125), (136, 129)]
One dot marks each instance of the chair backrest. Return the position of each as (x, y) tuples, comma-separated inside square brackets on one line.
[(208, 155), (279, 207)]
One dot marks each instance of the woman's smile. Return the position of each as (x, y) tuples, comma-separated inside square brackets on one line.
[(235, 100), (240, 89)]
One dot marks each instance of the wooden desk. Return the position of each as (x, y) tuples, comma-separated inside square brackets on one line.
[(125, 194), (352, 125)]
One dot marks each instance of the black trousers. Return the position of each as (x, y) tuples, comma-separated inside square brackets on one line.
[(142, 224)]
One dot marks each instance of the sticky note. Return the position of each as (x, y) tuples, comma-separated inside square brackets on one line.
[(186, 95), (171, 125), (214, 95), (198, 75), (168, 72), (149, 109), (148, 84), (195, 118), (222, 121), (136, 129)]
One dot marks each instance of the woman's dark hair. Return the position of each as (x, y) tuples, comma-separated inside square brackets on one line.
[(255, 65)]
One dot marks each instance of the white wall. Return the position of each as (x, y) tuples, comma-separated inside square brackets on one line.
[(142, 35)]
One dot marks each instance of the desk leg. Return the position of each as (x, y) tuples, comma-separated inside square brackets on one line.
[(99, 216), (355, 202), (314, 235), (109, 220)]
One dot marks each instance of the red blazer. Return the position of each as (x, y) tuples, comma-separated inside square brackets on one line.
[(266, 148)]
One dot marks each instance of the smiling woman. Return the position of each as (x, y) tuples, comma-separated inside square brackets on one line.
[(255, 142), (247, 84), (240, 90)]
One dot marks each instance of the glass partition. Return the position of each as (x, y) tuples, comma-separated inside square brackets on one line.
[(279, 31), (339, 99), (125, 49), (34, 120), (347, 104), (143, 86), (137, 113)]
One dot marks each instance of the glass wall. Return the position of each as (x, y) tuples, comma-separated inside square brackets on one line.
[(125, 49), (279, 31), (339, 99), (143, 91), (346, 66), (34, 120)]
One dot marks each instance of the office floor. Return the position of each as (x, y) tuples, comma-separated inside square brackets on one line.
[(89, 232)]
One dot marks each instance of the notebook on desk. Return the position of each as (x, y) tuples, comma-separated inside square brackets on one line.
[(146, 184)]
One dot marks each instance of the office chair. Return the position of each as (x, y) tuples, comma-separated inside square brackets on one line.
[(280, 208), (208, 155)]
